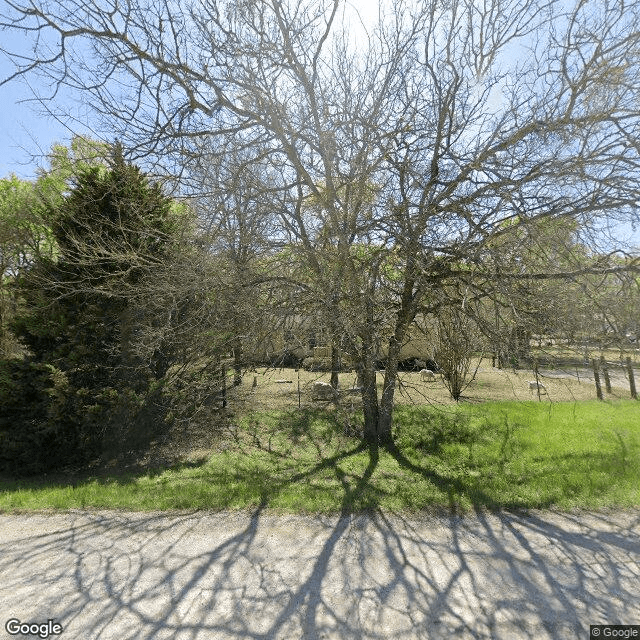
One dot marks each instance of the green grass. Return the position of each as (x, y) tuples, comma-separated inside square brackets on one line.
[(490, 455)]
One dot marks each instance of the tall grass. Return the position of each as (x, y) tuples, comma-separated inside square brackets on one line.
[(493, 455)]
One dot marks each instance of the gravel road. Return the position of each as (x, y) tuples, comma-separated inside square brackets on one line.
[(617, 375), (115, 575)]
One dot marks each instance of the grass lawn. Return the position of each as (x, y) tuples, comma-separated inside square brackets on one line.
[(583, 454)]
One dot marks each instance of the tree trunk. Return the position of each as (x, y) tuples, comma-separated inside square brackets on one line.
[(237, 361), (405, 316), (335, 365), (369, 403), (366, 369), (388, 392)]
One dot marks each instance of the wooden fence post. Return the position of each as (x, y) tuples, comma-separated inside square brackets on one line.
[(596, 375), (632, 380), (224, 386), (605, 373), (535, 370)]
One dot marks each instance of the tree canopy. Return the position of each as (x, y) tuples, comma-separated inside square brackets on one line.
[(472, 120), (95, 386)]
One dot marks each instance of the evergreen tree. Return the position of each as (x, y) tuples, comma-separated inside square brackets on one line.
[(111, 231)]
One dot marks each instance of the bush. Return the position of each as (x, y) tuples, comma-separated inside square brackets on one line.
[(118, 420), (38, 431), (457, 335), (47, 424)]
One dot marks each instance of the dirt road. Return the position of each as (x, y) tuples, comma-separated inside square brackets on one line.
[(105, 575)]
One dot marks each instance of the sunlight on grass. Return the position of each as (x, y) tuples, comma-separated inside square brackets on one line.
[(493, 455)]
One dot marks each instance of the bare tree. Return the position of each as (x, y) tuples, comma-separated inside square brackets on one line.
[(458, 116), (236, 209), (456, 343)]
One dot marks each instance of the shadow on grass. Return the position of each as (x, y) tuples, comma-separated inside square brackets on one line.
[(303, 461)]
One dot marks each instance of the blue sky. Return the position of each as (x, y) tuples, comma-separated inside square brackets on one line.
[(25, 131)]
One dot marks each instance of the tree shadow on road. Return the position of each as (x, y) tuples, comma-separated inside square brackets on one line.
[(371, 575)]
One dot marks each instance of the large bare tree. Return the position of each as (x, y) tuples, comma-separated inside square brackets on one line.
[(398, 159)]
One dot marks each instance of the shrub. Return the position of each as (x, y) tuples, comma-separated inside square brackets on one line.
[(46, 423), (85, 390), (456, 340), (38, 431)]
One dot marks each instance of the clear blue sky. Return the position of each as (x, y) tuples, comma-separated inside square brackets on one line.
[(24, 132)]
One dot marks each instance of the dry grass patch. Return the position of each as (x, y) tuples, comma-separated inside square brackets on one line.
[(278, 388)]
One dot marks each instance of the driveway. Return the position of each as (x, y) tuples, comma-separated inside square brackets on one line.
[(618, 375), (121, 576)]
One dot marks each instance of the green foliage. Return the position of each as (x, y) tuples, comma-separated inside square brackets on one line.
[(26, 221), (115, 221), (24, 230), (67, 161), (24, 236), (26, 207), (109, 230), (38, 430), (47, 424), (79, 318)]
